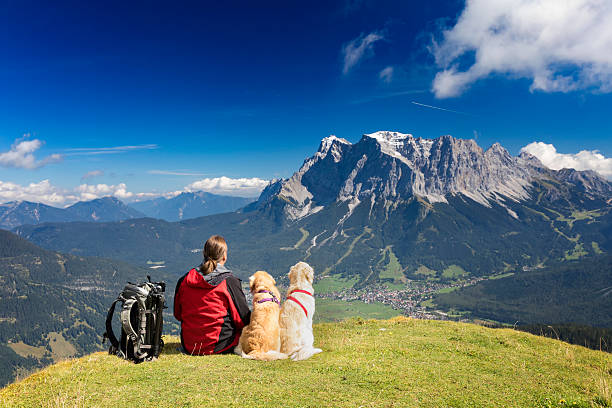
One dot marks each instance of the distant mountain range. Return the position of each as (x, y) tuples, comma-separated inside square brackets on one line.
[(103, 209), (389, 208), (52, 305), (107, 209), (392, 209), (190, 205)]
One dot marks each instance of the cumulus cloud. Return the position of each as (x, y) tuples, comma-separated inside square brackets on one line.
[(242, 187), (86, 192), (92, 174), (386, 75), (43, 192), (560, 46), (47, 193), (21, 155), (358, 49), (583, 160)]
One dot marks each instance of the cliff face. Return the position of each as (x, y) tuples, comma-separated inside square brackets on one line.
[(396, 166)]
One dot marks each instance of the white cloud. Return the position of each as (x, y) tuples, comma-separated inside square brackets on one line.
[(92, 174), (242, 187), (438, 108), (21, 155), (86, 192), (560, 46), (91, 151), (386, 75), (47, 193), (43, 192), (583, 160), (359, 48)]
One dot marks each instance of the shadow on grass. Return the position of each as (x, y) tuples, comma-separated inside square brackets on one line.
[(172, 347)]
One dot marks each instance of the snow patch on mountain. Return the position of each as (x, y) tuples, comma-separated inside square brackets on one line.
[(387, 165)]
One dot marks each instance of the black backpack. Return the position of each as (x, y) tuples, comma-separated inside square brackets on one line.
[(141, 322)]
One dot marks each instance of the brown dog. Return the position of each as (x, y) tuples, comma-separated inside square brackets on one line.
[(260, 340)]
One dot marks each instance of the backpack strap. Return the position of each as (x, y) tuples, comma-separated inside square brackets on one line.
[(108, 334), (129, 330), (158, 343)]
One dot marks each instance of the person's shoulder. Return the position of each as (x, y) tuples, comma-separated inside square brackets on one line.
[(232, 278), (182, 278)]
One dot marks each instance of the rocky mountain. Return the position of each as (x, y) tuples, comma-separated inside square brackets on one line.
[(390, 166), (190, 205), (103, 209), (52, 305), (18, 213), (388, 209)]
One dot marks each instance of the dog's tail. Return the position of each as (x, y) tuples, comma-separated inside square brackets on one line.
[(266, 356), (305, 353)]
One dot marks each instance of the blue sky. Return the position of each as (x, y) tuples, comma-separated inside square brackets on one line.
[(122, 94)]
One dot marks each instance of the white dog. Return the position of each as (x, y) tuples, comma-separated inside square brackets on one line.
[(296, 314)]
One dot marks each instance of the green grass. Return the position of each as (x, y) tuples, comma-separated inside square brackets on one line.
[(541, 214), (429, 303), (334, 283), (423, 270), (303, 238), (448, 290), (577, 253), (333, 310), (393, 363), (579, 215), (393, 269), (366, 230), (596, 248), (453, 272), (502, 275)]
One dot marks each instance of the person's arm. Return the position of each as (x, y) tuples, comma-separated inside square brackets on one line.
[(177, 300), (235, 289)]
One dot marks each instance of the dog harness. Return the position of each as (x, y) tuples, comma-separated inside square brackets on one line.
[(272, 299), (297, 301)]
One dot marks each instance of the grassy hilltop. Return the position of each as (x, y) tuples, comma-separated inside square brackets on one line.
[(399, 362)]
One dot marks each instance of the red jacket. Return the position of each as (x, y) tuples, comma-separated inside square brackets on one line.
[(212, 310)]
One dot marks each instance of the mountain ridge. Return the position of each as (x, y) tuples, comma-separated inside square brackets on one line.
[(16, 213), (352, 208), (429, 168), (189, 205)]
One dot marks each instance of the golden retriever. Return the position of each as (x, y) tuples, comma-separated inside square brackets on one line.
[(296, 314), (260, 340)]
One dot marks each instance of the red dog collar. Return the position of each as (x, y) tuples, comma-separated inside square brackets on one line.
[(297, 301)]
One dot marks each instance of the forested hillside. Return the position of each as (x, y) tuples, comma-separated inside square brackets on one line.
[(578, 292), (52, 305)]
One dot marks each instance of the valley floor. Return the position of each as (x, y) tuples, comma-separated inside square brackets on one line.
[(399, 362)]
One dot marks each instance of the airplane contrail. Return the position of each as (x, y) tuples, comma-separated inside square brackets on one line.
[(442, 109)]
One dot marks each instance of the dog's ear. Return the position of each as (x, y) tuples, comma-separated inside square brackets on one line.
[(310, 274), (252, 282), (291, 275)]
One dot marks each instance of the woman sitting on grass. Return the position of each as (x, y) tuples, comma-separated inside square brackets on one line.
[(210, 304)]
